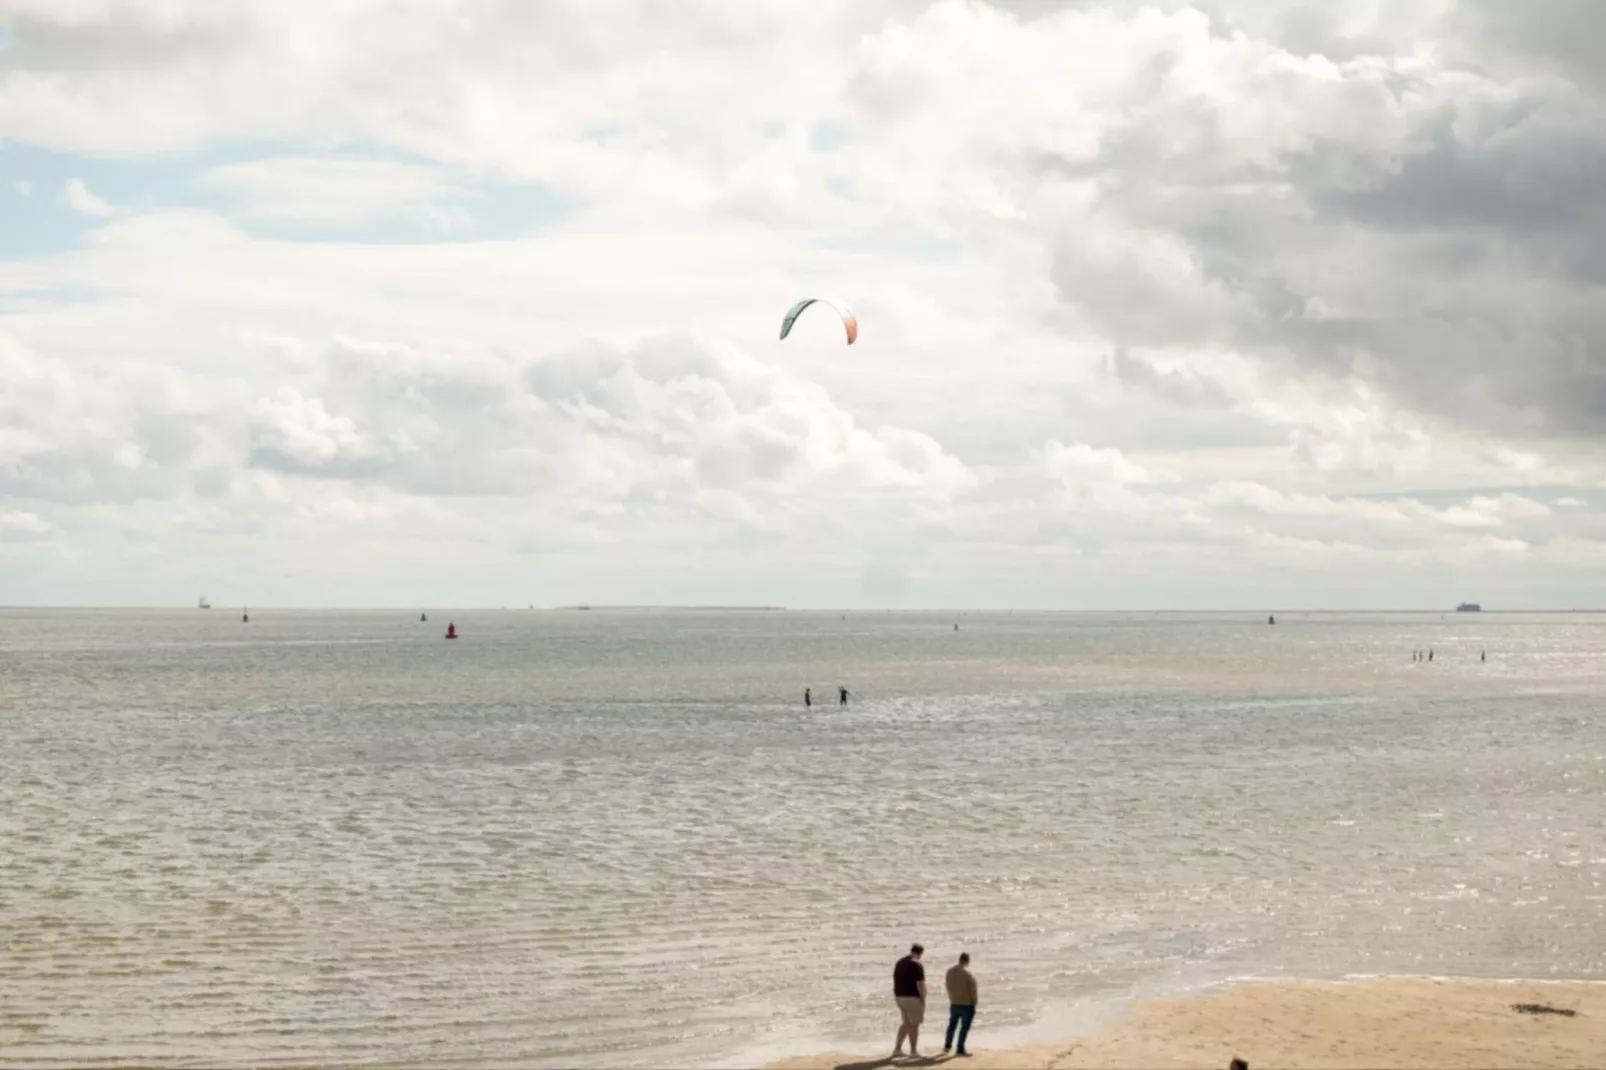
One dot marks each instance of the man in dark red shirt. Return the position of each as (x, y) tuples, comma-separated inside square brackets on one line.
[(909, 990)]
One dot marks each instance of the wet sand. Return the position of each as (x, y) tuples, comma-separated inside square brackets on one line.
[(1408, 1023)]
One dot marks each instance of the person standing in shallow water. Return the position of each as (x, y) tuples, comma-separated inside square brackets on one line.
[(961, 1003), (909, 990), (808, 697), (842, 696)]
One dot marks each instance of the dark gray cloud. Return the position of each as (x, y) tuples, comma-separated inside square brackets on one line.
[(1564, 36), (1454, 263)]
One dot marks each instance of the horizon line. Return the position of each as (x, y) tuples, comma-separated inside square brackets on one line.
[(767, 608)]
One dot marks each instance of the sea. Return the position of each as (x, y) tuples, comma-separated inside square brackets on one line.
[(618, 838)]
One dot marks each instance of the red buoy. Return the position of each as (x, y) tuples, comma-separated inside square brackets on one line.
[(451, 631)]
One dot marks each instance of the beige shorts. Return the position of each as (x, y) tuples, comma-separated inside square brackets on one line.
[(913, 1009)]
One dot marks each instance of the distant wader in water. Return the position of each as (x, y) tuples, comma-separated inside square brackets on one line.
[(808, 697), (842, 696)]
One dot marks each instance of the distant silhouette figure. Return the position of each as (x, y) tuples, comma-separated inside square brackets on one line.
[(1483, 655), (842, 696), (245, 617), (808, 697), (423, 617), (1430, 653)]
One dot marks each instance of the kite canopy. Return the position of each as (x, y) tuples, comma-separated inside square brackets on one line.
[(849, 321)]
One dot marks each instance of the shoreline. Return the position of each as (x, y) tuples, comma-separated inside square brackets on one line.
[(1404, 1022)]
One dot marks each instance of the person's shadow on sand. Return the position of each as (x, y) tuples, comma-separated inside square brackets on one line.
[(885, 1061)]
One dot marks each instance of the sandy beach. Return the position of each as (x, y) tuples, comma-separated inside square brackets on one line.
[(1409, 1023)]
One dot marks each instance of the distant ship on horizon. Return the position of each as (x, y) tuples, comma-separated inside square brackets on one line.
[(204, 603), (1469, 607)]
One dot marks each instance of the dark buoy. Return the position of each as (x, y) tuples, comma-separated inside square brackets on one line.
[(245, 617), (423, 617), (451, 631)]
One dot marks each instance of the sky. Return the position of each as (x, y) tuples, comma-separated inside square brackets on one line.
[(1266, 304)]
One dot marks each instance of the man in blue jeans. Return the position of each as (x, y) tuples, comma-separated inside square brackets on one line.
[(961, 1003)]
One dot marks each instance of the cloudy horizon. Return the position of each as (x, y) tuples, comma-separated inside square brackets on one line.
[(1165, 305)]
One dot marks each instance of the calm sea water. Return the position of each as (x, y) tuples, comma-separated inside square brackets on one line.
[(617, 838)]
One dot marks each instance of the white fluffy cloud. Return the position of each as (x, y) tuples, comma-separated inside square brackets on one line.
[(20, 525), (1161, 303), (81, 200)]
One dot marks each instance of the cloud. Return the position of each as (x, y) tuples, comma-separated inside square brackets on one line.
[(82, 201), (669, 418), (1160, 300), (1083, 465), (339, 193), (291, 431), (1398, 514), (16, 524), (1427, 226)]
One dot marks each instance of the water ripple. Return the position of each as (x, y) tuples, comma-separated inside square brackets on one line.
[(607, 840)]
